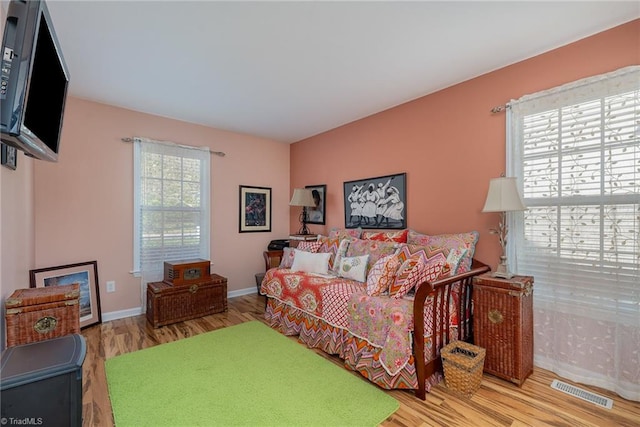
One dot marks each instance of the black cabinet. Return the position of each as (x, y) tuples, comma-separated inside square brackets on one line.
[(41, 382)]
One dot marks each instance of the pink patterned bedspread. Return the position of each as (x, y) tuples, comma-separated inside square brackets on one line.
[(385, 323), (326, 297)]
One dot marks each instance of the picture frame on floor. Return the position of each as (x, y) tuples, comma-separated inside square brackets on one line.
[(83, 273), (376, 203)]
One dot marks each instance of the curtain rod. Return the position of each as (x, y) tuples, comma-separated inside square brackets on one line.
[(217, 153), (500, 108)]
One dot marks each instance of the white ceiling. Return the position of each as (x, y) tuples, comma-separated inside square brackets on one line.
[(290, 70)]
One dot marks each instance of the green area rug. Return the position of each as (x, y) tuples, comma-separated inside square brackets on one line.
[(247, 375)]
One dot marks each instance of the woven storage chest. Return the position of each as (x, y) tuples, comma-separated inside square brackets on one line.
[(503, 325), (168, 304), (187, 272), (462, 364), (37, 314)]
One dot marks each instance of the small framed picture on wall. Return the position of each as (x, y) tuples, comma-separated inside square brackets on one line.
[(316, 214), (255, 209), (9, 156)]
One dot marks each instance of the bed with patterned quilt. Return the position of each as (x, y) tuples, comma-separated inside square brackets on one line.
[(384, 302)]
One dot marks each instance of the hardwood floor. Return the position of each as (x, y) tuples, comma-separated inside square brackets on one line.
[(497, 403)]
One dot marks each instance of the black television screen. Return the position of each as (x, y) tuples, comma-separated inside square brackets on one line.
[(34, 81)]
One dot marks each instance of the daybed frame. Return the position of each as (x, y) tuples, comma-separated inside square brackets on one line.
[(440, 290)]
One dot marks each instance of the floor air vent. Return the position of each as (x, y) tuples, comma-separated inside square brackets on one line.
[(580, 393)]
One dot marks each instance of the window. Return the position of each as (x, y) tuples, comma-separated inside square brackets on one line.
[(171, 218), (576, 153)]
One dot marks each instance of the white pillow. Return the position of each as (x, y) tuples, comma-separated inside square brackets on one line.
[(354, 267), (310, 262)]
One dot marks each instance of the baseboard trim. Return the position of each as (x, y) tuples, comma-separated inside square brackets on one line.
[(130, 312), (241, 292), (121, 314)]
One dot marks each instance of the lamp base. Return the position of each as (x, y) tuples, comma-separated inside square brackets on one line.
[(303, 220), (502, 271), (502, 275)]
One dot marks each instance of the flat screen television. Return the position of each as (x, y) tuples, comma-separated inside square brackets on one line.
[(34, 81)]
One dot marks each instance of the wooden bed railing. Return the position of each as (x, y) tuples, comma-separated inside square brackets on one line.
[(440, 290)]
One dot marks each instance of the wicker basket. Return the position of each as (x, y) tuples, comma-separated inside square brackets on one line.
[(463, 363)]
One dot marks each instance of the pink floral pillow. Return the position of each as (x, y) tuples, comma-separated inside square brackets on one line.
[(345, 233), (287, 258), (382, 275), (373, 248), (309, 246), (415, 271), (386, 236)]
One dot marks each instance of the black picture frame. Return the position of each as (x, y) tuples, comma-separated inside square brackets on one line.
[(362, 207), (83, 273), (9, 156), (255, 209), (317, 214)]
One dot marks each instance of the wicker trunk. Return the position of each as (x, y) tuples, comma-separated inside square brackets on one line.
[(37, 314), (167, 304), (503, 325)]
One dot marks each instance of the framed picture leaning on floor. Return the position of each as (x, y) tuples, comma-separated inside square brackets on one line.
[(83, 273)]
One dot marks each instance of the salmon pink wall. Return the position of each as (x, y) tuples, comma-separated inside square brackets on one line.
[(84, 202), (449, 143)]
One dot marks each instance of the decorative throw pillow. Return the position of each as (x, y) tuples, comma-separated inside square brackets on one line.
[(309, 246), (329, 245), (373, 248), (354, 268), (342, 251), (455, 258), (462, 241), (345, 233), (417, 251), (310, 262), (386, 236), (382, 274), (287, 258), (415, 271)]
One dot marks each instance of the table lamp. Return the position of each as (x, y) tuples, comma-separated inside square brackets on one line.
[(503, 197), (302, 197)]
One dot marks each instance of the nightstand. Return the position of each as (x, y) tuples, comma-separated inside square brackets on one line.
[(503, 325)]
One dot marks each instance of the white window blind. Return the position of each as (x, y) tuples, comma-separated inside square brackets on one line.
[(578, 158), (171, 215), (575, 151)]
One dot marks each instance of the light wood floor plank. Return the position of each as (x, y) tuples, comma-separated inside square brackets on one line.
[(497, 403)]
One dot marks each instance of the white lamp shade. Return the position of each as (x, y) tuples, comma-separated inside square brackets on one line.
[(302, 197), (503, 196)]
